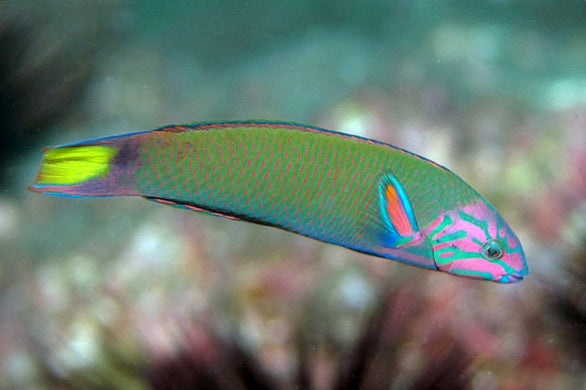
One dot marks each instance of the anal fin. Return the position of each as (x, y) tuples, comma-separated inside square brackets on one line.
[(191, 207)]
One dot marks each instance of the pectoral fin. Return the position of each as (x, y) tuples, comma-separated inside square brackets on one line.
[(401, 239), (397, 211)]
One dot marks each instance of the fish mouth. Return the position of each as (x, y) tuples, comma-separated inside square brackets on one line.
[(511, 278)]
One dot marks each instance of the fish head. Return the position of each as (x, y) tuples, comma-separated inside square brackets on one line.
[(475, 241)]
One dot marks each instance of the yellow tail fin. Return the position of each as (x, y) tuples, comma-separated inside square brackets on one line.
[(75, 164)]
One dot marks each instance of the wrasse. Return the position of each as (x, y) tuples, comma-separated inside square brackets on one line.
[(342, 189)]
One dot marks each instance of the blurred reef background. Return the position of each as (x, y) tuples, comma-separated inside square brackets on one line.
[(127, 294)]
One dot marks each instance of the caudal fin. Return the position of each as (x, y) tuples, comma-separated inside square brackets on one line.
[(76, 170)]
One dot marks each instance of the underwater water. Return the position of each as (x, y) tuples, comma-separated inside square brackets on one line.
[(125, 294)]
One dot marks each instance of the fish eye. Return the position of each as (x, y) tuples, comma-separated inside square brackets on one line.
[(493, 249)]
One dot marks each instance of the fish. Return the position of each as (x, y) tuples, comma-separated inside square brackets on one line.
[(341, 189)]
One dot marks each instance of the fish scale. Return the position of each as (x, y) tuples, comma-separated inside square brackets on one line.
[(319, 201)]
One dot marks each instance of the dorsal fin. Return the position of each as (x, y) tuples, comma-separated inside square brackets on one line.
[(397, 211)]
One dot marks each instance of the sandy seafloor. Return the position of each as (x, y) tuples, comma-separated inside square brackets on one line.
[(129, 294)]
